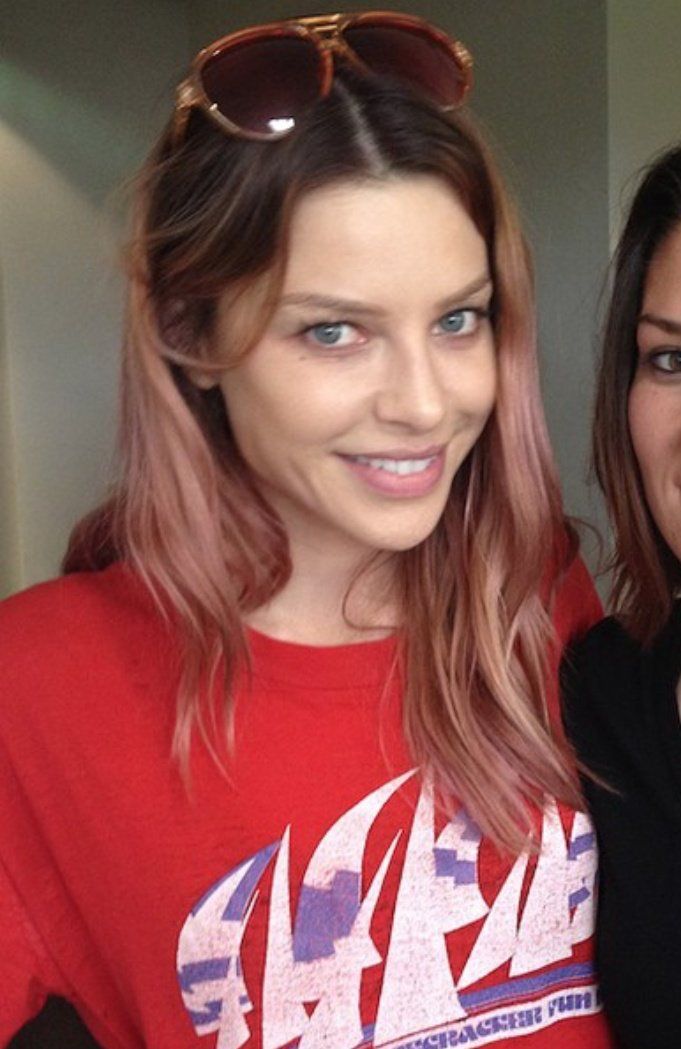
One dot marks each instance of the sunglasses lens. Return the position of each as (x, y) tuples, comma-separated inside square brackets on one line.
[(411, 55), (263, 85)]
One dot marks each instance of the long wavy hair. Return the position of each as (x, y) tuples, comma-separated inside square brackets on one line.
[(211, 221), (646, 572)]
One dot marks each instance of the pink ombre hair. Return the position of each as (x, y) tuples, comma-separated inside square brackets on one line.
[(211, 221)]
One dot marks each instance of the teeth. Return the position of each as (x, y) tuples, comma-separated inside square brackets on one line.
[(401, 467)]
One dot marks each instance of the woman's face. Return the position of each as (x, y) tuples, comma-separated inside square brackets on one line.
[(377, 372), (655, 397)]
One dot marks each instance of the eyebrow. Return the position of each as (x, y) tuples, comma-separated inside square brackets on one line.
[(358, 307), (663, 323)]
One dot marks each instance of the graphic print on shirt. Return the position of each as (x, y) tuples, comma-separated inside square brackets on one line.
[(316, 958)]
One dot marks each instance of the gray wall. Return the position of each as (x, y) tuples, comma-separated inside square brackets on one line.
[(71, 132), (644, 91), (83, 88)]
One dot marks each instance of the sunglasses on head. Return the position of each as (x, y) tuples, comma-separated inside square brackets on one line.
[(257, 83)]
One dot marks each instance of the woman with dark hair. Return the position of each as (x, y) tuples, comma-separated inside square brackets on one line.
[(622, 682), (281, 762)]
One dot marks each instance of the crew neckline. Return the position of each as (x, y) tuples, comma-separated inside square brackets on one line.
[(359, 663)]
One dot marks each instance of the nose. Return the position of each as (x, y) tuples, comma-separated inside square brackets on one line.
[(412, 392)]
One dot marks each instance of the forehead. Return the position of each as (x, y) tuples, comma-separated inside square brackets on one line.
[(662, 293), (394, 230)]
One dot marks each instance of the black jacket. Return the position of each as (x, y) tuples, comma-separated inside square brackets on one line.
[(622, 716)]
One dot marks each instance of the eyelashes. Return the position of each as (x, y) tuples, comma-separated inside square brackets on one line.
[(665, 359), (344, 334), (331, 335), (464, 321)]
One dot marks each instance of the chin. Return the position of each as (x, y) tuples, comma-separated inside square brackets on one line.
[(400, 543), (673, 541)]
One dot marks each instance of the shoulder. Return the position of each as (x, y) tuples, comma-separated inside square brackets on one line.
[(72, 611), (603, 653), (600, 677), (65, 596), (576, 605), (80, 628), (608, 658)]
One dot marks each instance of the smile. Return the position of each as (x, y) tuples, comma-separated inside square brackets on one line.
[(402, 467), (397, 476)]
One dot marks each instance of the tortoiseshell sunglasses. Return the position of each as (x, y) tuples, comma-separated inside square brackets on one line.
[(256, 83)]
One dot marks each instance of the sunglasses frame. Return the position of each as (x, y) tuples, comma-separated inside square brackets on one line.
[(325, 33)]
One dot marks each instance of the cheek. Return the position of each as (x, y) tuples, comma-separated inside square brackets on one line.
[(637, 412), (655, 428), (648, 426), (477, 391), (285, 412), (491, 386)]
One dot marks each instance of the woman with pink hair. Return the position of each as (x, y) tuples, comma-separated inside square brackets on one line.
[(281, 764)]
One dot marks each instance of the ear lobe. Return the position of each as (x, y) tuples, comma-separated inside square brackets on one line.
[(200, 373), (202, 379)]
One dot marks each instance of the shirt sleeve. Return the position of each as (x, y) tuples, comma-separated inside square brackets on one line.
[(26, 975), (577, 605), (575, 608)]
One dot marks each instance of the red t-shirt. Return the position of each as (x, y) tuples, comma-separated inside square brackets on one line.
[(315, 898)]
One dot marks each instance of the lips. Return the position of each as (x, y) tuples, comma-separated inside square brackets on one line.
[(405, 474)]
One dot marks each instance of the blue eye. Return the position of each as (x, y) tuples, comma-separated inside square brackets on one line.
[(331, 334), (460, 322)]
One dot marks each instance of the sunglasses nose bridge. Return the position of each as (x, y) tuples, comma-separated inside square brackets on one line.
[(333, 46), (327, 31)]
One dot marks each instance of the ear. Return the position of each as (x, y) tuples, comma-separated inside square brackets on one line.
[(178, 325)]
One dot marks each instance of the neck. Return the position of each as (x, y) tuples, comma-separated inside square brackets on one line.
[(330, 599)]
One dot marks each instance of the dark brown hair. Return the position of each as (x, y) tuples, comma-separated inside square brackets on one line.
[(646, 573)]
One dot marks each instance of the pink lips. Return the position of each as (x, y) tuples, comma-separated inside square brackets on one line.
[(400, 485)]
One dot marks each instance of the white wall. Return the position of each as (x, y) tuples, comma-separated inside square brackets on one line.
[(82, 90)]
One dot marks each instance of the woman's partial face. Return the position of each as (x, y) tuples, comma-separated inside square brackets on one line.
[(655, 397), (377, 372)]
